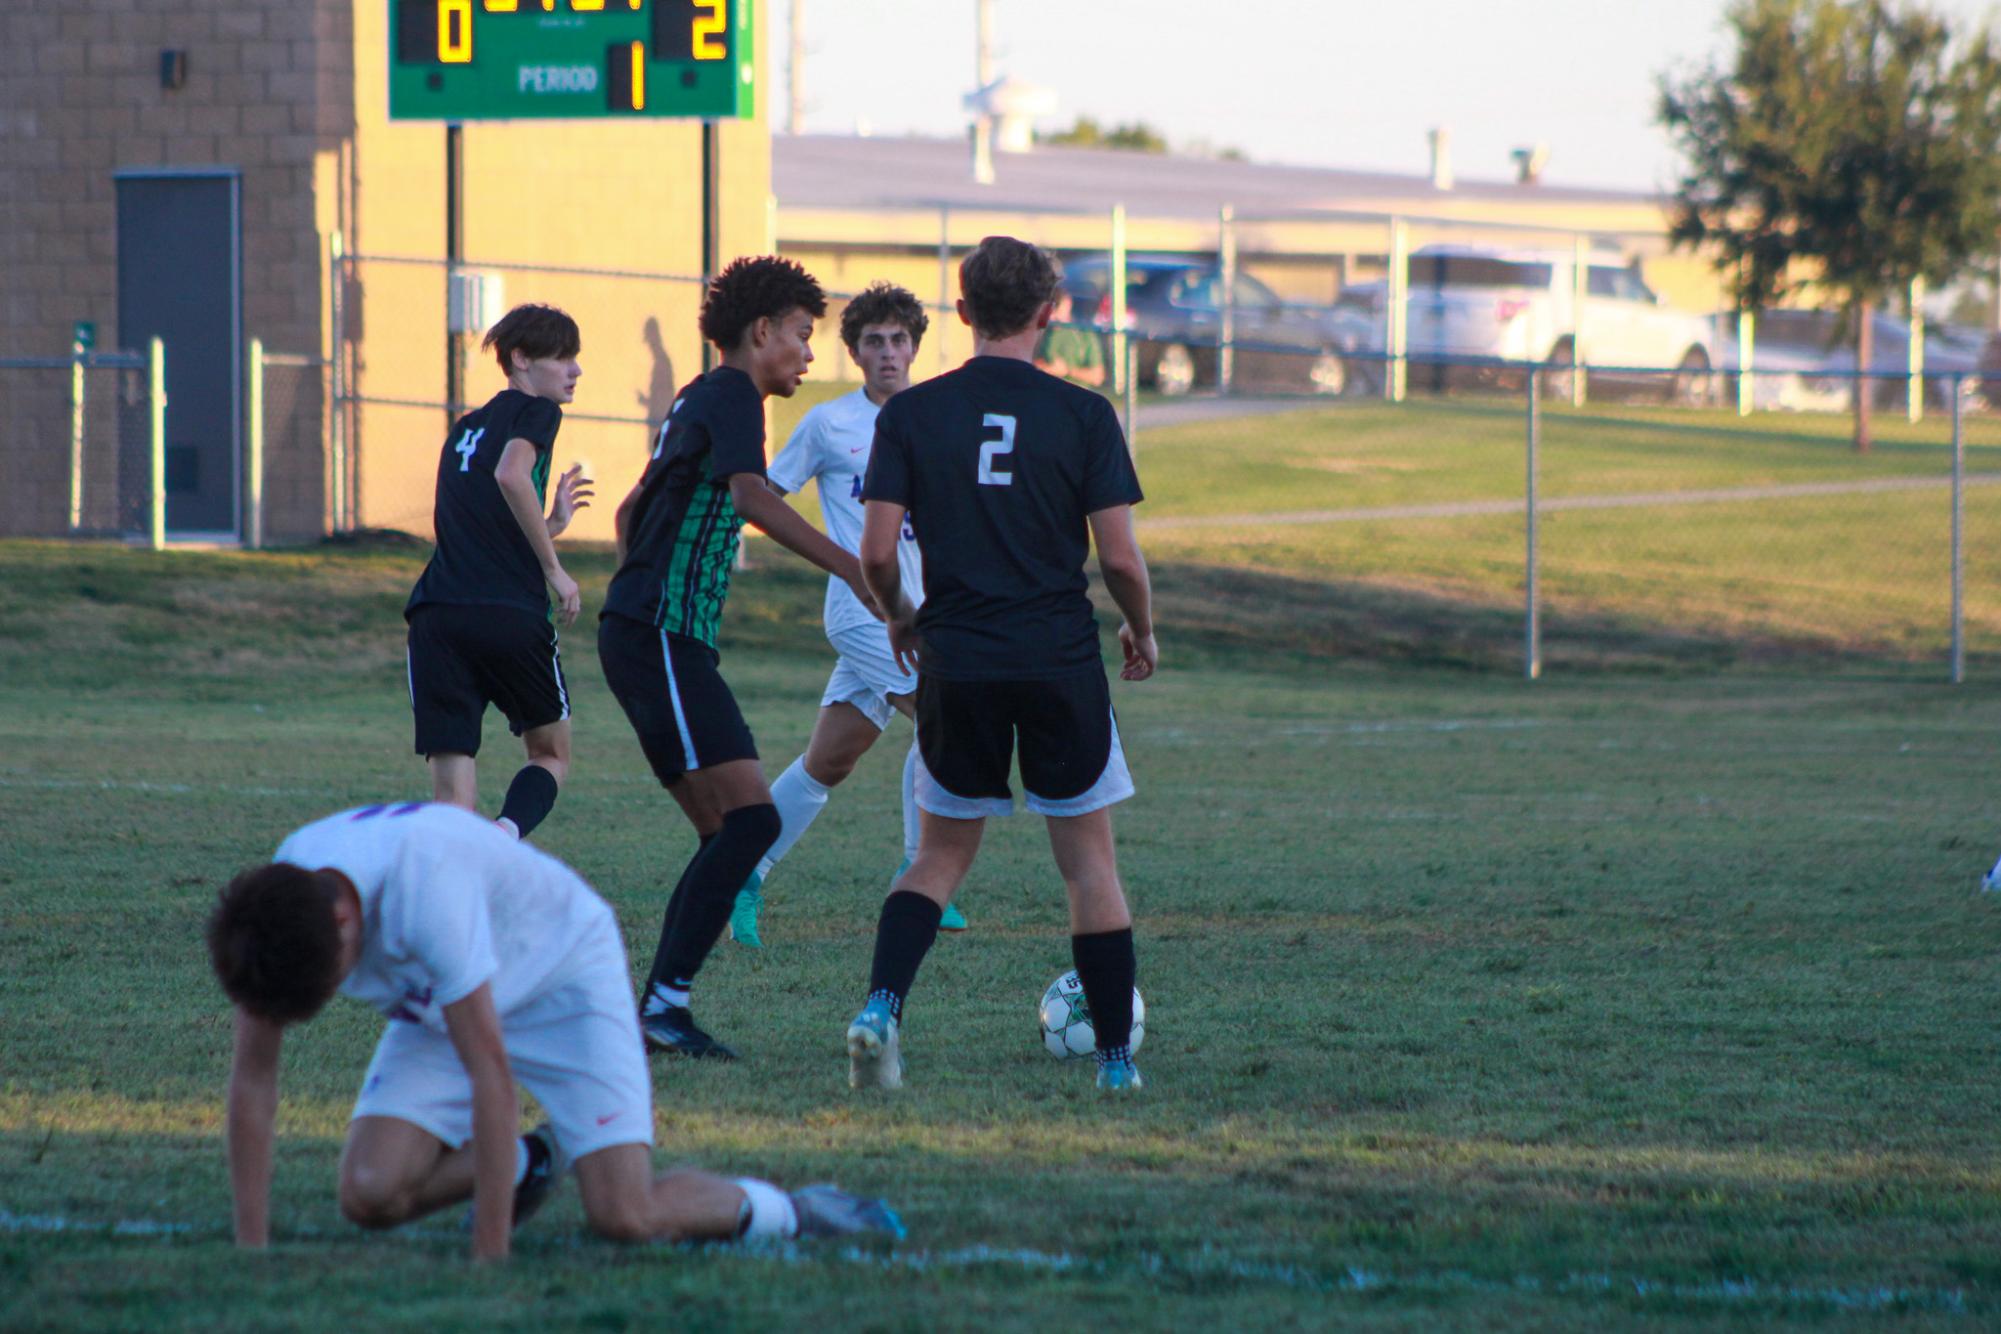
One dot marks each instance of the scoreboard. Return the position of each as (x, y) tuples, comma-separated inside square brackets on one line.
[(465, 60)]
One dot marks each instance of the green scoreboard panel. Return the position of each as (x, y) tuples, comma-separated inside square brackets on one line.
[(459, 60)]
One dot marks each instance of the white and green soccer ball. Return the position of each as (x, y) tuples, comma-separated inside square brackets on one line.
[(1066, 1019)]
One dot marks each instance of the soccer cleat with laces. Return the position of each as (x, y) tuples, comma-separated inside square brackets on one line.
[(1119, 1076), (547, 1165), (828, 1211), (743, 917), (949, 920), (874, 1061), (673, 1030)]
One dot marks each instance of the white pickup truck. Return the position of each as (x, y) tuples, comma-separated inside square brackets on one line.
[(1516, 305)]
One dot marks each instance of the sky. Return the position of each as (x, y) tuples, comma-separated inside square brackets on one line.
[(1331, 83)]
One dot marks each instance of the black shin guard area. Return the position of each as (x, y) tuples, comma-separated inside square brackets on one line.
[(530, 797), (903, 935), (1107, 966), (708, 891)]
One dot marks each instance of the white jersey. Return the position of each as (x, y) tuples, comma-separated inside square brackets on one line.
[(450, 901), (832, 443)]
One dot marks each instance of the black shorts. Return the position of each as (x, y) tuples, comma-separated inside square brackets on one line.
[(674, 697), (967, 732), (463, 658)]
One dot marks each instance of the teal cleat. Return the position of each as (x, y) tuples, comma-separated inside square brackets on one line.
[(874, 1058), (1119, 1076), (828, 1211), (743, 917), (953, 919)]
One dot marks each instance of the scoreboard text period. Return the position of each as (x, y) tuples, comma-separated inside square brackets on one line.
[(460, 60)]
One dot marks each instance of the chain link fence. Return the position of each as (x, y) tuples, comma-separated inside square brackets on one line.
[(108, 478)]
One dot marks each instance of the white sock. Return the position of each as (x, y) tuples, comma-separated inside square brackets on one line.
[(771, 1211), (913, 824), (520, 1160), (799, 798), (513, 829), (660, 997)]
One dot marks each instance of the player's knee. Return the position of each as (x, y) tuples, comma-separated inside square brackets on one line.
[(373, 1199), (831, 770), (757, 825)]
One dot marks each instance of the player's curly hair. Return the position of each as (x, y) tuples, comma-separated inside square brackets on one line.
[(535, 331), (754, 288), (1004, 282), (274, 942), (884, 303)]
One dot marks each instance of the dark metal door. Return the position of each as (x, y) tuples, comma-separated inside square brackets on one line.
[(180, 279)]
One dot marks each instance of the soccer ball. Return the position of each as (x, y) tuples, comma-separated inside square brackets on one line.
[(1066, 1019)]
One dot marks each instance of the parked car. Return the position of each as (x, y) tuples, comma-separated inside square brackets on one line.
[(1174, 311), (1804, 360), (1517, 305)]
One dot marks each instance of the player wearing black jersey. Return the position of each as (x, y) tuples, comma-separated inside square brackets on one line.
[(677, 539), (1002, 469), (479, 616)]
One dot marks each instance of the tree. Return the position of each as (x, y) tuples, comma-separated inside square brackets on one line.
[(1137, 137), (1850, 144)]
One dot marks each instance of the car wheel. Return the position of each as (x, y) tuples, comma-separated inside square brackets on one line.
[(1328, 374), (1174, 372), (1690, 386), (1557, 376)]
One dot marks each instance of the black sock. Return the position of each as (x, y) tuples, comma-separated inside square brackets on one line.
[(1106, 966), (529, 798), (708, 891), (675, 902), (903, 935)]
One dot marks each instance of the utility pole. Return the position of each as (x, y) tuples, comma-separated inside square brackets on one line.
[(795, 72), (983, 77)]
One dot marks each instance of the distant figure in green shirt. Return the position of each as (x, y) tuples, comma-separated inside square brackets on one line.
[(1068, 351)]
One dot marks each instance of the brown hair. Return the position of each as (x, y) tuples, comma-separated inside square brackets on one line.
[(274, 943), (756, 288), (884, 303), (535, 332), (1005, 282)]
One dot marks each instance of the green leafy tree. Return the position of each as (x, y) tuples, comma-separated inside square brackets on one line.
[(1136, 137), (1849, 144)]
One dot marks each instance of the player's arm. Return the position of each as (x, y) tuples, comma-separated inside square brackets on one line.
[(474, 1026), (515, 475), (252, 1112), (1124, 572), (882, 529), (759, 505)]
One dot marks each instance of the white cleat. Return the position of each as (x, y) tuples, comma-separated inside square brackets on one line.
[(874, 1062)]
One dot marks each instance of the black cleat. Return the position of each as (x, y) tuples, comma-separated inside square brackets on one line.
[(673, 1030), (828, 1211), (547, 1165)]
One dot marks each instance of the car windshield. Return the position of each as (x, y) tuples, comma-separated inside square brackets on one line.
[(1475, 271)]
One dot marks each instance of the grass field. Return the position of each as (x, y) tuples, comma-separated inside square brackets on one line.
[(1639, 995)]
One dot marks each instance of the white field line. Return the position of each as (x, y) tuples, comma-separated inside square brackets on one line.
[(1464, 509), (1206, 1263)]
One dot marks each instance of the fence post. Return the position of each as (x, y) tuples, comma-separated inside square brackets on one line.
[(1958, 539), (1397, 318), (1120, 343), (337, 379), (1914, 353), (1131, 369), (77, 353), (1226, 258), (254, 519), (1747, 334), (1532, 657), (1580, 287), (156, 413)]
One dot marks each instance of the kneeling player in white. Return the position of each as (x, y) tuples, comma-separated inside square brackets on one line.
[(882, 328), (491, 960)]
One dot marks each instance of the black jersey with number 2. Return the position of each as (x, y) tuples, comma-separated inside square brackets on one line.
[(999, 464), (483, 557)]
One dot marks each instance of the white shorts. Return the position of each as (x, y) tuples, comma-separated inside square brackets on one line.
[(1113, 785), (867, 674), (577, 1049)]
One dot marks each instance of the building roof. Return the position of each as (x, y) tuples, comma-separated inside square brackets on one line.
[(824, 171)]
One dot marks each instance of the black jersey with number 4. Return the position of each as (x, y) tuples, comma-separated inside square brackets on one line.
[(483, 557), (999, 464)]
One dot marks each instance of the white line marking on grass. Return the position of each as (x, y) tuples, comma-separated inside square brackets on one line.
[(1208, 1263), (1469, 509)]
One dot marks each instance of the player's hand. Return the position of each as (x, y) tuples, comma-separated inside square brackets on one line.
[(573, 493), (860, 589), (903, 642), (569, 599), (1141, 652)]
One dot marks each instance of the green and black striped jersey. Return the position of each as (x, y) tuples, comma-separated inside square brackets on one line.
[(682, 533)]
